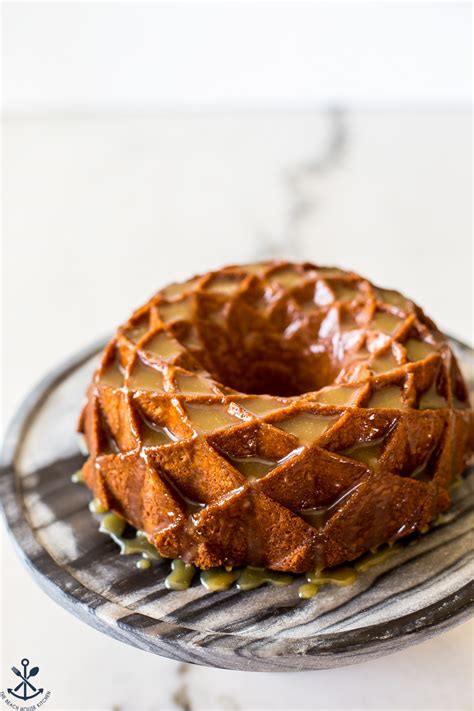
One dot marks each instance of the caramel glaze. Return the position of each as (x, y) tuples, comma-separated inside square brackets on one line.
[(284, 416)]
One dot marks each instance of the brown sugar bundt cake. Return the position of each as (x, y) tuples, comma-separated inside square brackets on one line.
[(276, 414)]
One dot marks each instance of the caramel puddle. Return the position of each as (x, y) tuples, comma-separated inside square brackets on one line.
[(182, 574)]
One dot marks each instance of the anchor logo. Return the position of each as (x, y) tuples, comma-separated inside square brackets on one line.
[(28, 690)]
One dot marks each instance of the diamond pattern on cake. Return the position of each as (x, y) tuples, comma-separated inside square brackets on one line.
[(276, 414)]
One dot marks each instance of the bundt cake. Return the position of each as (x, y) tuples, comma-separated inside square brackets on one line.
[(276, 414)]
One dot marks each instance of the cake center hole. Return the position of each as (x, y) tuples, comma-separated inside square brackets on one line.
[(262, 364)]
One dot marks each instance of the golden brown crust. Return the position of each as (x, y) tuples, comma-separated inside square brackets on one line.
[(278, 414)]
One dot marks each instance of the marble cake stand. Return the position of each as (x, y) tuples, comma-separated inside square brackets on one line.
[(423, 590)]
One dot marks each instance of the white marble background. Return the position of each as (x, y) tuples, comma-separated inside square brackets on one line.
[(100, 211)]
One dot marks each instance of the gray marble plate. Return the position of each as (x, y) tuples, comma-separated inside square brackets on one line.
[(423, 590)]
